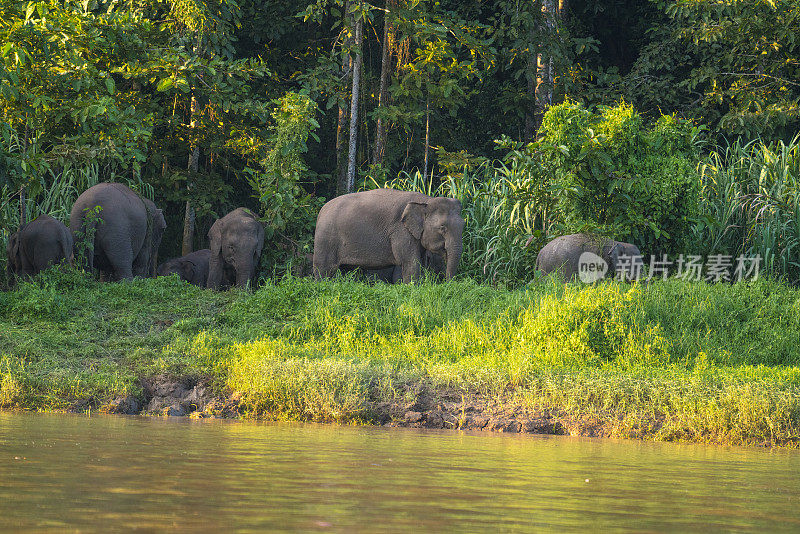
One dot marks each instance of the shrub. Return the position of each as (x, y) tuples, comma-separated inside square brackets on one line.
[(620, 179)]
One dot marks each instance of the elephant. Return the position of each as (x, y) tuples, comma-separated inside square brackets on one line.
[(587, 257), (384, 227), (193, 268), (236, 243), (127, 230), (35, 246)]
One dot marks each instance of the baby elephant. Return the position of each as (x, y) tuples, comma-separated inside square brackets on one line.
[(236, 243), (42, 242), (192, 268), (589, 258)]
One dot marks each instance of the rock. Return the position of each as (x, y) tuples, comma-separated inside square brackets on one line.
[(543, 425), (124, 404), (176, 410), (504, 425), (413, 417), (479, 421), (434, 419), (197, 398)]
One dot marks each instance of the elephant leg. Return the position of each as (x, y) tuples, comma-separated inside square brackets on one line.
[(123, 271), (141, 264), (324, 265), (215, 270), (121, 265), (408, 256), (397, 274), (26, 266)]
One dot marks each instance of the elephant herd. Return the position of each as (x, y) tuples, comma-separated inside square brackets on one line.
[(385, 233)]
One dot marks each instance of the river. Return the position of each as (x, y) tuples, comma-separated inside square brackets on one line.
[(98, 473)]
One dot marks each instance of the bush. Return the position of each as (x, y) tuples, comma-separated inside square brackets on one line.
[(617, 178)]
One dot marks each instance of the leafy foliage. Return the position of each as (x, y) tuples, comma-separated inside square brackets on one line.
[(751, 203), (289, 210), (618, 178)]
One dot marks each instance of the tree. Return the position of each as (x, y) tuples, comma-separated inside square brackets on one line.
[(355, 91), (383, 91), (748, 66), (448, 53)]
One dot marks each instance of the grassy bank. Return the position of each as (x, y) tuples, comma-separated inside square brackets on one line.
[(671, 360)]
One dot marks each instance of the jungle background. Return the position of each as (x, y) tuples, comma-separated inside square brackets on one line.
[(671, 124)]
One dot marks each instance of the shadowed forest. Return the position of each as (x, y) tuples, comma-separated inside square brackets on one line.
[(208, 105)]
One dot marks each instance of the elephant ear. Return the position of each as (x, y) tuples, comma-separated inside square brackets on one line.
[(215, 239), (612, 251), (414, 218), (159, 217), (12, 250)]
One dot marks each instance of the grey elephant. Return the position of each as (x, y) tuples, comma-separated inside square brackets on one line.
[(193, 268), (127, 230), (383, 228), (588, 257), (42, 242), (236, 243)]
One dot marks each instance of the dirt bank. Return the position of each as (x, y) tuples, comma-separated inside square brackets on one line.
[(194, 397)]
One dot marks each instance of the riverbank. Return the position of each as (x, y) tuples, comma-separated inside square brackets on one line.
[(670, 361)]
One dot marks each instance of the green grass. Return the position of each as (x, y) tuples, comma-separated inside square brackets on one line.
[(671, 360)]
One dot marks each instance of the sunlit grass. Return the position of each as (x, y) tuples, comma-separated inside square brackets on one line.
[(670, 360)]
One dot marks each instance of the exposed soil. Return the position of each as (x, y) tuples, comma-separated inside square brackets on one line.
[(169, 396), (193, 397), (503, 413)]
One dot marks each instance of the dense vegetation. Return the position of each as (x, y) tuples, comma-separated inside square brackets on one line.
[(672, 360), (208, 105)]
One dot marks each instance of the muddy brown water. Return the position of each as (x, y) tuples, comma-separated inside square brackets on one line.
[(107, 473)]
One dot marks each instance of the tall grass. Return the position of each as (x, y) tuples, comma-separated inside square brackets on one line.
[(751, 203)]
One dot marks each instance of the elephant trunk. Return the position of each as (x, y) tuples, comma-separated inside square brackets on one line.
[(453, 249), (244, 274)]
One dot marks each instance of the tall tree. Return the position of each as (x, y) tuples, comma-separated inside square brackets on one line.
[(343, 117), (383, 90), (355, 92), (448, 54)]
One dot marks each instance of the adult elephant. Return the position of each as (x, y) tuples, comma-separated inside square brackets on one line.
[(587, 257), (127, 230), (236, 243), (385, 227), (35, 246), (192, 268)]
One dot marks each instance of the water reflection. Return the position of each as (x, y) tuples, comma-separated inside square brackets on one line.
[(60, 471)]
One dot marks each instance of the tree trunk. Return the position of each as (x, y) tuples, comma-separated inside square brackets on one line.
[(530, 121), (23, 212), (380, 128), (341, 124), (544, 63), (427, 135), (351, 156), (188, 215)]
